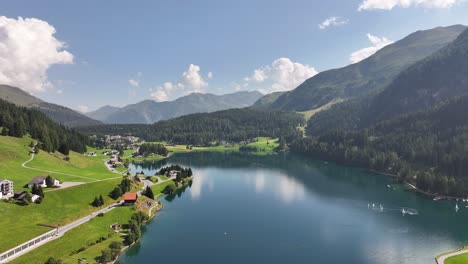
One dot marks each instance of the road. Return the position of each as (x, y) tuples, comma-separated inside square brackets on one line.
[(63, 229), (24, 165), (60, 232), (443, 258)]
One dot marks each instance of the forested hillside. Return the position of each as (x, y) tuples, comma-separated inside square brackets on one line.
[(233, 125), (428, 148), (18, 121), (57, 113), (439, 77)]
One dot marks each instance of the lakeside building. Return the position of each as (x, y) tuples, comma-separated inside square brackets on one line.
[(130, 198)]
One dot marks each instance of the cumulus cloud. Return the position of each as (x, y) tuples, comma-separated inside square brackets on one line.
[(83, 108), (210, 75), (390, 4), (333, 21), (377, 44), (28, 48), (191, 82), (282, 75)]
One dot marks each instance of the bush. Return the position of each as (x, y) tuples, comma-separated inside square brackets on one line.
[(52, 260)]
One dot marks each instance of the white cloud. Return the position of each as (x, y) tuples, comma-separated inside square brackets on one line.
[(333, 21), (134, 83), (282, 75), (210, 75), (83, 108), (28, 49), (377, 44), (60, 91), (390, 4), (191, 82)]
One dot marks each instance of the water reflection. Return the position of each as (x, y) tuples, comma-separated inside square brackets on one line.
[(323, 206), (290, 189)]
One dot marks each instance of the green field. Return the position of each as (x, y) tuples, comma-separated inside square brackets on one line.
[(60, 206), (157, 188), (460, 259), (82, 236), (264, 145)]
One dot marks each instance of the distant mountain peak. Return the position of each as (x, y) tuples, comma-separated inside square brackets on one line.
[(150, 111)]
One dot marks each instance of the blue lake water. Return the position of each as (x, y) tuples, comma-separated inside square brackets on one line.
[(286, 209)]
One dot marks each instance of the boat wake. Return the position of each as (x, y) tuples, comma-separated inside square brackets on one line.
[(379, 208)]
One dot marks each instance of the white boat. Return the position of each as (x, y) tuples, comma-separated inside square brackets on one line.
[(456, 207), (403, 211), (437, 198), (388, 186)]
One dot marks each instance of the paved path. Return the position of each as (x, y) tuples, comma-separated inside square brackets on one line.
[(24, 165), (50, 171), (443, 258), (60, 231)]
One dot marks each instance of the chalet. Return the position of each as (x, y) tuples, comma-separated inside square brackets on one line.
[(130, 198), (20, 195), (172, 174), (41, 181), (6, 188)]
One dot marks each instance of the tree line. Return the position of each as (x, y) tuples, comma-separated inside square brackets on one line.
[(146, 149), (234, 125), (18, 121)]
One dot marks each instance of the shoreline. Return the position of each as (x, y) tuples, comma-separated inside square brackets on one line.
[(416, 189), (151, 217)]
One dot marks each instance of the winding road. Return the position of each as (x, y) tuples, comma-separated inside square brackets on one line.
[(60, 231)]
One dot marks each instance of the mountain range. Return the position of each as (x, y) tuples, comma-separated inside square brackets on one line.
[(149, 111), (369, 76), (427, 83), (58, 113)]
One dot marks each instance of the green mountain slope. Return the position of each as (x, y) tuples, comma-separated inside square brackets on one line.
[(59, 114), (265, 101), (369, 76), (438, 77)]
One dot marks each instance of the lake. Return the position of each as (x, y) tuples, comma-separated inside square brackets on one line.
[(286, 209)]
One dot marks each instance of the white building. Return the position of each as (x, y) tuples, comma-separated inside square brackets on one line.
[(41, 181), (6, 188), (34, 198)]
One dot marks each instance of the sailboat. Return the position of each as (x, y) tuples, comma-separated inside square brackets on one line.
[(456, 207), (403, 211)]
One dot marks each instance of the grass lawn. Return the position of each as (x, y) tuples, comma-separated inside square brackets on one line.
[(91, 167), (265, 145), (460, 259), (58, 208), (311, 113), (157, 188), (82, 236)]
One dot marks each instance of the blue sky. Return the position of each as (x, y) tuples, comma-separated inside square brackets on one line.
[(121, 52)]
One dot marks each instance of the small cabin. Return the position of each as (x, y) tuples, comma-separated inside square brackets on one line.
[(130, 198)]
